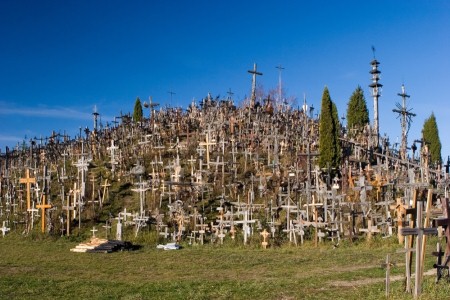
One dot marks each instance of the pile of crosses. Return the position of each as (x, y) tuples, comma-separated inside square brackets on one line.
[(218, 171)]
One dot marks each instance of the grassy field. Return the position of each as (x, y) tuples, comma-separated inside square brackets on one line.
[(43, 268)]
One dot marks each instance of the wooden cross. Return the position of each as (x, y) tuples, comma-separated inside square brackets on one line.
[(28, 181), (207, 143), (400, 210), (32, 211), (419, 232), (105, 191), (68, 208), (388, 265), (370, 229), (43, 207)]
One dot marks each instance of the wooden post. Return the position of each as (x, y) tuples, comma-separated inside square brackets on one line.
[(388, 266), (426, 224)]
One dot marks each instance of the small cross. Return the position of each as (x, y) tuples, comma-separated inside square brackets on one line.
[(4, 229), (264, 234), (93, 230)]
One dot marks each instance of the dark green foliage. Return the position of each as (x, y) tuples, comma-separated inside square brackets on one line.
[(357, 112), (329, 129), (430, 134), (137, 114)]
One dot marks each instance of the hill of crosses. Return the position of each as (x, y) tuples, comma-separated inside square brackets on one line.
[(259, 172)]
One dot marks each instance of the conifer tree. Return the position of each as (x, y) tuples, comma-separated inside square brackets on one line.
[(430, 134), (137, 114), (357, 112), (329, 127)]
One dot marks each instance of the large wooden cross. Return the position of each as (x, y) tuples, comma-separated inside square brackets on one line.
[(43, 207), (68, 208), (420, 231), (207, 143), (28, 181)]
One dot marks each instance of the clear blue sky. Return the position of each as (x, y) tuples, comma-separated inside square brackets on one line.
[(60, 58)]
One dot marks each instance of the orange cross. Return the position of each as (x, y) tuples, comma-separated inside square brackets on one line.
[(28, 181)]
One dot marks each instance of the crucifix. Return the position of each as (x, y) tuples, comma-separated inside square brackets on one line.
[(264, 234), (28, 181)]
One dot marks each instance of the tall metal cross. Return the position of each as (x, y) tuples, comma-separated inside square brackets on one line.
[(254, 72), (406, 119), (280, 68)]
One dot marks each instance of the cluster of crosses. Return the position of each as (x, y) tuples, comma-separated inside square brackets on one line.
[(218, 171)]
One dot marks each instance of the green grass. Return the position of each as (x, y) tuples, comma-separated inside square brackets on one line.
[(44, 268)]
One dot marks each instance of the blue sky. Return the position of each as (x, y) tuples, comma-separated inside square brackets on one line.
[(60, 58)]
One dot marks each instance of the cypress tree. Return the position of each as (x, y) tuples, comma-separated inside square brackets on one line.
[(357, 112), (137, 114), (430, 134), (329, 147)]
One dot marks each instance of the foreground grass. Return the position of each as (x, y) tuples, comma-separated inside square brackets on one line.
[(46, 269)]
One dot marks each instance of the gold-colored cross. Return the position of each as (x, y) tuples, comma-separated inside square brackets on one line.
[(28, 181), (43, 207)]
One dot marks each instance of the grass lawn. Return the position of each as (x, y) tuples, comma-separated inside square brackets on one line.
[(44, 268)]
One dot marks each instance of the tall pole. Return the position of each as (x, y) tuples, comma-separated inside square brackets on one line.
[(280, 68), (376, 86)]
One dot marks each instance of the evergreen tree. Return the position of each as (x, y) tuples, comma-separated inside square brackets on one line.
[(137, 114), (336, 133), (430, 134), (329, 127), (357, 112)]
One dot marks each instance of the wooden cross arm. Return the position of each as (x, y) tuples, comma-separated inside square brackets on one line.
[(391, 264), (44, 206), (415, 231), (442, 222)]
